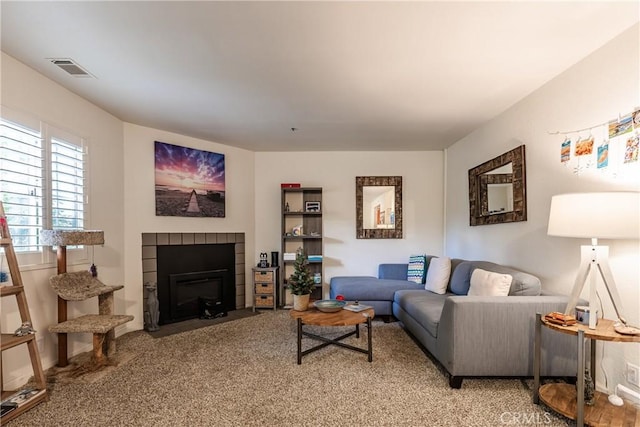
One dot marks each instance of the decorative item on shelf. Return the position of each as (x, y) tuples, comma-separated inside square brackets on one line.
[(300, 282), (560, 318), (611, 215), (297, 230), (315, 258), (24, 329), (4, 276), (263, 263), (312, 206), (286, 207), (583, 313), (317, 278), (589, 389), (289, 256), (4, 225)]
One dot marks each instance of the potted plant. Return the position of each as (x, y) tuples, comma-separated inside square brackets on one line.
[(301, 283)]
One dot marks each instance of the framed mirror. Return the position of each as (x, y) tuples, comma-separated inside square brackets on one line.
[(497, 189), (379, 207)]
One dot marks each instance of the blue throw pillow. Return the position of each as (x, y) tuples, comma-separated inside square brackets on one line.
[(417, 269), (461, 278)]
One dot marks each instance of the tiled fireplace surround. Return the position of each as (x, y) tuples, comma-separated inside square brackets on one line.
[(150, 242)]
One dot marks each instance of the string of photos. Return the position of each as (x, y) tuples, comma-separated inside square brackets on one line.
[(608, 146)]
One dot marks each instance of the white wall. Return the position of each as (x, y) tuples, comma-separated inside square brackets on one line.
[(28, 93), (594, 91), (422, 182), (139, 196)]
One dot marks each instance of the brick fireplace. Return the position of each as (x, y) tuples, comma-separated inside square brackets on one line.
[(151, 241)]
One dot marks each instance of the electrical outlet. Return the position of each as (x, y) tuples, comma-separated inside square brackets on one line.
[(633, 374)]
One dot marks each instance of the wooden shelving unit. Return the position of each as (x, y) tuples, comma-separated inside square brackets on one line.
[(302, 206), (9, 340)]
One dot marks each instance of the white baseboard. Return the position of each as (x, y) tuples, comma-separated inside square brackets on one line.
[(627, 394)]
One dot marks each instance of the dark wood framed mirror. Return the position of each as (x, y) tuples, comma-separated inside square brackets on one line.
[(497, 189), (379, 207)]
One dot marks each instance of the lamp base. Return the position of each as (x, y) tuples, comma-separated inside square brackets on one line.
[(594, 260)]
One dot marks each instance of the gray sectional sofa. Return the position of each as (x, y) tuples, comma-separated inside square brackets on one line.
[(470, 336)]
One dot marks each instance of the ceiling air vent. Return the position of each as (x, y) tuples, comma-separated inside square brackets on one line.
[(68, 65)]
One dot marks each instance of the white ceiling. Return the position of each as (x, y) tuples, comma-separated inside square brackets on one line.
[(347, 75)]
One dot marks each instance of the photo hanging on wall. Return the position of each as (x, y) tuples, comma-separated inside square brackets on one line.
[(611, 148), (189, 182)]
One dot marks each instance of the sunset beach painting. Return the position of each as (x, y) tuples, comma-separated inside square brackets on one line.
[(189, 182)]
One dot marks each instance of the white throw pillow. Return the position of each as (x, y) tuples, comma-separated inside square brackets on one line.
[(488, 283), (438, 275)]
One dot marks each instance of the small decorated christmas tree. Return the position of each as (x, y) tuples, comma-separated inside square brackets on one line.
[(301, 281)]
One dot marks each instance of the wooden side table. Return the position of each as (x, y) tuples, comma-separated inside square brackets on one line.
[(569, 400), (313, 316)]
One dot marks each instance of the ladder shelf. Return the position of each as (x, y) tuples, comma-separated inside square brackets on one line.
[(9, 340)]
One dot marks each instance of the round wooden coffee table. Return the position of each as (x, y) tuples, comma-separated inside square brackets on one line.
[(315, 317)]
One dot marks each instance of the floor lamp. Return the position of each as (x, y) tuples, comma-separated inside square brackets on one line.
[(612, 215), (62, 239)]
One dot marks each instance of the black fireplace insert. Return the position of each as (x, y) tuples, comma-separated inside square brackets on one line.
[(191, 274)]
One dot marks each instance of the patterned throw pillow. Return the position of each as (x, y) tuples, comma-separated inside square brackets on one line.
[(417, 268)]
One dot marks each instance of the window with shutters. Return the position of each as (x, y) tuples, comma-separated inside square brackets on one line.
[(42, 184)]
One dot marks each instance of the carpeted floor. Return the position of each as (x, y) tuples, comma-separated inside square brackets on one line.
[(244, 373)]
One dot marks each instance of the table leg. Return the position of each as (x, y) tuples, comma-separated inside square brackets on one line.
[(536, 359), (592, 346), (370, 344), (580, 381), (299, 341)]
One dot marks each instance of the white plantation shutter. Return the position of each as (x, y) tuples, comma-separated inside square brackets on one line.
[(21, 179), (67, 185)]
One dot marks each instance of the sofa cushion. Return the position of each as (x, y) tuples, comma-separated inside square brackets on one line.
[(460, 277), (488, 283), (364, 288), (392, 271), (438, 275), (522, 284), (417, 268), (423, 306)]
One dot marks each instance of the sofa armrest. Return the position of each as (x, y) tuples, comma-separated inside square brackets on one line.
[(495, 336), (393, 271)]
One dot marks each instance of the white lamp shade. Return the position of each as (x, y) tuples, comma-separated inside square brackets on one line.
[(611, 215)]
